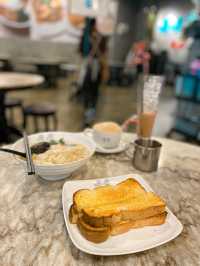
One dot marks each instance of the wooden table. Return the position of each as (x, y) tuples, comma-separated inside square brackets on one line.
[(32, 229), (49, 68), (10, 81)]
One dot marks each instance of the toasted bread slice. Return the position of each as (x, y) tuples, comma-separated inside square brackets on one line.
[(124, 227), (126, 215), (73, 215), (141, 202), (108, 205), (103, 195), (98, 235), (93, 234)]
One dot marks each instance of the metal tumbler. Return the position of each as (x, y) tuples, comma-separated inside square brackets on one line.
[(146, 155)]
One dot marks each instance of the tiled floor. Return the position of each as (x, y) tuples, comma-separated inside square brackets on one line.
[(114, 104)]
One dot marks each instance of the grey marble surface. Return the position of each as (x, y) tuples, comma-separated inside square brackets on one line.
[(32, 230)]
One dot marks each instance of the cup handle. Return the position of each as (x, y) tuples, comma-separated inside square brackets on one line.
[(88, 132), (133, 120)]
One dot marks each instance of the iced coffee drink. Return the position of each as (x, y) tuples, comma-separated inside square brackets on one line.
[(146, 124), (148, 99)]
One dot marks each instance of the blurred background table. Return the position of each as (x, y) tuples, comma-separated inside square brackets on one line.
[(10, 81), (32, 229)]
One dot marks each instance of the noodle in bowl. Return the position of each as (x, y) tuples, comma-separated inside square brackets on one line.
[(59, 154), (61, 160)]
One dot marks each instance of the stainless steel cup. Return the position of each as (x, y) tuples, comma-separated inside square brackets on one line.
[(146, 155)]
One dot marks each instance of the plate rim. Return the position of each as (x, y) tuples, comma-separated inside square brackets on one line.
[(139, 178), (119, 149)]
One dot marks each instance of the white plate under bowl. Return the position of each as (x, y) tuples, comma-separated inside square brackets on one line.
[(135, 240), (123, 145), (58, 172)]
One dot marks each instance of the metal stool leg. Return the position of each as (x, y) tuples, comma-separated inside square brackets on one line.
[(24, 121), (46, 119), (55, 121), (35, 118), (11, 116)]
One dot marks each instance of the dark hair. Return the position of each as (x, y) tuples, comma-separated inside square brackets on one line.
[(85, 43), (90, 24)]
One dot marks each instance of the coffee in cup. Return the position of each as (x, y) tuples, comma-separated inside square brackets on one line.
[(107, 134)]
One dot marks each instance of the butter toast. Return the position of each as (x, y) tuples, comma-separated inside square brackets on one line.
[(88, 198), (113, 204), (101, 234), (111, 210)]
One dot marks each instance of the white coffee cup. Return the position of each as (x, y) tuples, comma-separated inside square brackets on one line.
[(107, 134)]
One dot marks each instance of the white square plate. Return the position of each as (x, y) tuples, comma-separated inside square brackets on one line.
[(135, 240)]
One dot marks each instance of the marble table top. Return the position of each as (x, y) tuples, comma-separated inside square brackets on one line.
[(32, 229), (13, 81)]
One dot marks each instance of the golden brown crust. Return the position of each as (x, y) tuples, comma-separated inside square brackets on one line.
[(108, 210), (106, 194), (124, 227), (96, 235), (123, 216), (73, 215), (138, 203), (101, 234), (75, 195)]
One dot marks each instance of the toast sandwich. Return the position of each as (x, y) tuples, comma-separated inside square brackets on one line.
[(111, 210)]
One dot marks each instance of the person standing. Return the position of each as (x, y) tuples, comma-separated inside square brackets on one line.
[(93, 48)]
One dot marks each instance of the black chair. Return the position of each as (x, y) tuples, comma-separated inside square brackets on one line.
[(45, 111), (11, 104)]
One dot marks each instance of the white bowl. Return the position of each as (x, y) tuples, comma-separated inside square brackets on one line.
[(58, 171)]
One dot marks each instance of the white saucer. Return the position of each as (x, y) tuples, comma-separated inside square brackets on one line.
[(122, 146)]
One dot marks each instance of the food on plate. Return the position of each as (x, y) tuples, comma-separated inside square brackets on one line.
[(112, 210), (60, 152)]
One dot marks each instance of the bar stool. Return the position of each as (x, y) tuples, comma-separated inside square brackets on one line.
[(45, 111), (11, 104)]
